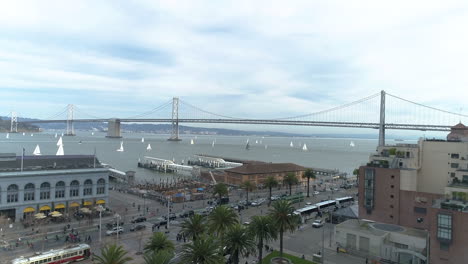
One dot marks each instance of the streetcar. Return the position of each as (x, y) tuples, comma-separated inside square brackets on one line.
[(57, 256)]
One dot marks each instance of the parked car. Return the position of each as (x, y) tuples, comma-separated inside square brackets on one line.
[(137, 227), (138, 220), (317, 223), (114, 231), (186, 214), (172, 216), (160, 222), (316, 192), (275, 197), (114, 224)]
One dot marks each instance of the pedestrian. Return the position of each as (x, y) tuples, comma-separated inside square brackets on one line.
[(367, 261), (303, 257), (337, 250)]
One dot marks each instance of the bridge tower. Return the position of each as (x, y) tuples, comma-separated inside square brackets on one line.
[(70, 129), (175, 120), (382, 119), (14, 122)]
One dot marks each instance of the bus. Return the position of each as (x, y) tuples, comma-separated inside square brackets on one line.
[(345, 201), (306, 213), (326, 206), (56, 256), (295, 198)]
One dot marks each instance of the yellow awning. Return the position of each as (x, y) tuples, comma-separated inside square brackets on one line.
[(29, 210), (74, 204), (87, 203), (100, 202), (44, 208), (59, 206)]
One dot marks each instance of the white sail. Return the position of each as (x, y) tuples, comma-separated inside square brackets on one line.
[(256, 141), (7, 135), (304, 147), (37, 151), (191, 141), (60, 142), (142, 140), (62, 134), (148, 147), (291, 144), (266, 146), (24, 134), (60, 151), (32, 135), (92, 133), (56, 135), (352, 144), (212, 144), (121, 149)]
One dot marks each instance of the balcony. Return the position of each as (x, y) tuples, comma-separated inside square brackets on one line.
[(450, 204)]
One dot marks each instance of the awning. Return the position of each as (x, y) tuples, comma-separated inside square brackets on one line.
[(28, 210), (74, 204), (100, 202), (59, 206), (44, 208), (87, 203)]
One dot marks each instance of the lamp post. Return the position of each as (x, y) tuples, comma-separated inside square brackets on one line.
[(100, 223), (168, 210), (144, 204), (118, 219)]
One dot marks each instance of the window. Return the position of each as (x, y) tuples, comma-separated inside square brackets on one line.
[(101, 186), (454, 156), (12, 193), (444, 246), (369, 177), (60, 189), (74, 188), (393, 177), (391, 206), (392, 186), (391, 216), (391, 196), (420, 210), (452, 174), (88, 187), (444, 227), (454, 165), (45, 191), (465, 178), (29, 191)]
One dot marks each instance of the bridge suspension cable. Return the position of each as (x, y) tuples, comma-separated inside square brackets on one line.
[(156, 109), (61, 113), (79, 111), (206, 112)]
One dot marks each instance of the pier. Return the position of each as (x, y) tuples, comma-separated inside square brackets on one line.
[(163, 165), (212, 162)]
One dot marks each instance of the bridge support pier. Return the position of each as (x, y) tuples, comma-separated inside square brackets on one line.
[(113, 128), (382, 120), (175, 120)]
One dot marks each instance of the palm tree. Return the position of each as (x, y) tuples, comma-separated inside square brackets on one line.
[(290, 179), (221, 190), (262, 228), (159, 242), (194, 226), (204, 250), (308, 174), (112, 254), (270, 182), (284, 219), (239, 241), (158, 257), (248, 186), (221, 219)]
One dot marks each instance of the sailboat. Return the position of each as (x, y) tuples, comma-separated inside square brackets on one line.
[(247, 146), (304, 148), (142, 140), (291, 144), (148, 148), (62, 134), (92, 133), (24, 134), (32, 135), (121, 149), (60, 142), (55, 135), (191, 141), (256, 141), (8, 135), (60, 151), (352, 144), (212, 144), (37, 151), (266, 146)]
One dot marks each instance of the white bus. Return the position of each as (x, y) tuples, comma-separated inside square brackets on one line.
[(307, 212), (345, 201), (326, 206), (57, 256)]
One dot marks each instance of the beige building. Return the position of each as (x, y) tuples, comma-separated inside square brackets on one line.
[(423, 186)]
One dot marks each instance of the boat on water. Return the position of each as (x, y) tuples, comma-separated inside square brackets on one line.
[(148, 148), (291, 144), (121, 149), (32, 135), (60, 151), (79, 142), (352, 144), (24, 134), (191, 141), (256, 141), (142, 140), (92, 133), (304, 147), (266, 146), (8, 135), (212, 144), (37, 151), (60, 142), (55, 135), (247, 146)]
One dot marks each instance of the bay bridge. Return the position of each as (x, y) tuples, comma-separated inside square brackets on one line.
[(380, 111)]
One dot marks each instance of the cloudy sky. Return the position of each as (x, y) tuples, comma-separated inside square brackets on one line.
[(240, 58)]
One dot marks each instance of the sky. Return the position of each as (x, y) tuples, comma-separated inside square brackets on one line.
[(251, 59)]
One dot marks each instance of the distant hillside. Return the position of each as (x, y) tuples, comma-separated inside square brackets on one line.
[(5, 125)]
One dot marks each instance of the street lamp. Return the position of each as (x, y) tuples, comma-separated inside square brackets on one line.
[(118, 219), (100, 208), (168, 210)]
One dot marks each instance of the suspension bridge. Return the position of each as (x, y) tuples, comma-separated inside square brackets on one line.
[(380, 111)]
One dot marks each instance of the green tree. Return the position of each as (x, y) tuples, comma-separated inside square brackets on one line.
[(158, 257), (284, 219), (239, 241), (159, 242), (290, 179), (248, 186), (262, 228), (270, 183), (221, 219), (194, 226), (221, 190), (204, 250), (112, 254), (308, 174)]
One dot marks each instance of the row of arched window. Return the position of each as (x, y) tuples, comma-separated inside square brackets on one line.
[(30, 190)]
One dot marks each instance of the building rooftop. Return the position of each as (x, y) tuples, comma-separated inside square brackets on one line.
[(381, 229), (263, 168), (11, 162)]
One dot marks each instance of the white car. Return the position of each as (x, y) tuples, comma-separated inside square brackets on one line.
[(115, 230), (308, 203), (316, 192), (317, 223)]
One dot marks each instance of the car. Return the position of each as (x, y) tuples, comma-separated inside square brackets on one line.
[(172, 216), (246, 223), (114, 224), (308, 203), (138, 220), (186, 214), (160, 222), (317, 223), (316, 192), (335, 189), (115, 230), (137, 227), (275, 197)]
